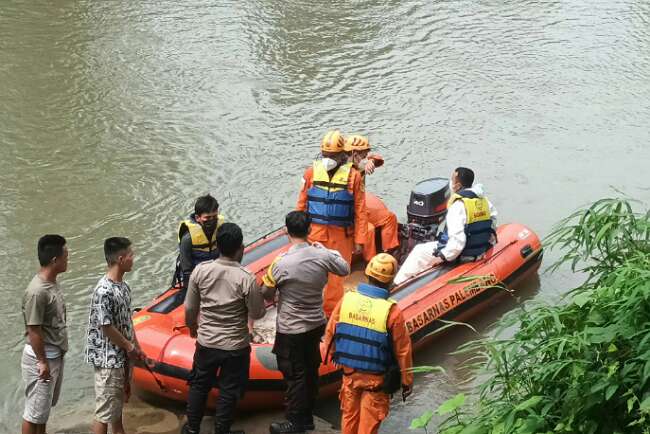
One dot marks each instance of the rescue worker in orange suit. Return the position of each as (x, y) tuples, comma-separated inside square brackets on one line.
[(366, 335), (332, 194), (379, 216)]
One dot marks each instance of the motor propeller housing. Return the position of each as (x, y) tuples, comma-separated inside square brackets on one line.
[(425, 212)]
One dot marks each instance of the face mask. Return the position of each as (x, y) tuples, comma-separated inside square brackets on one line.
[(361, 165), (329, 163), (210, 225)]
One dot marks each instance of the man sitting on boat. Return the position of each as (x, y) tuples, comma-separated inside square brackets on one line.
[(197, 237), (470, 229)]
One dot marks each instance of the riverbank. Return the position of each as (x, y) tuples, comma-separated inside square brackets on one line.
[(140, 417)]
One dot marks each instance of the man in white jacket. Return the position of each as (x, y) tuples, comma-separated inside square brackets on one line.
[(470, 229)]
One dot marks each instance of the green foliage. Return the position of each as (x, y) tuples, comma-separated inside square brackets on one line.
[(426, 369), (422, 421), (582, 366), (452, 404), (601, 237), (448, 324)]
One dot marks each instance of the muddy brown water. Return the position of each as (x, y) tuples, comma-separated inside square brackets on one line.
[(115, 115)]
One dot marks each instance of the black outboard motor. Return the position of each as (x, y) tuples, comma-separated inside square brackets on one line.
[(425, 212)]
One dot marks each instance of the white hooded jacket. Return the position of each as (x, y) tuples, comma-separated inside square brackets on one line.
[(456, 221)]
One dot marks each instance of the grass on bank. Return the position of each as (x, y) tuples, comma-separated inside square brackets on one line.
[(579, 367)]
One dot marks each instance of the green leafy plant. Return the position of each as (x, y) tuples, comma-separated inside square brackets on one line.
[(582, 366), (422, 421)]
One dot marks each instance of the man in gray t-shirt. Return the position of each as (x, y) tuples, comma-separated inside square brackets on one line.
[(46, 335), (299, 276)]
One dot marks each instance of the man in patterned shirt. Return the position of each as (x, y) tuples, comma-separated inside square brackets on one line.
[(111, 341)]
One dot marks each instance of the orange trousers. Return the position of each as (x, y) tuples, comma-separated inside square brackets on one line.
[(362, 407), (337, 239), (379, 216)]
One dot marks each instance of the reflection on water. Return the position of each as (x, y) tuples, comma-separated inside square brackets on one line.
[(116, 115)]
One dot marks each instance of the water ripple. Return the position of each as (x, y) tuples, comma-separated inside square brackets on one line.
[(117, 115)]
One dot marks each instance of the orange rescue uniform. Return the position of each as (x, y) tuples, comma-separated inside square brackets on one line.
[(335, 237), (379, 216), (363, 404)]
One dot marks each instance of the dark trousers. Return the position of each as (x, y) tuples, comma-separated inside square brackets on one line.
[(298, 359), (228, 370)]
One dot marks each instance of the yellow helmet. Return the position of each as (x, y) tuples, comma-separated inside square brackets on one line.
[(333, 142), (356, 143), (382, 267)]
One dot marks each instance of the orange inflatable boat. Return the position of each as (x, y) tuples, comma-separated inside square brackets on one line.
[(448, 292)]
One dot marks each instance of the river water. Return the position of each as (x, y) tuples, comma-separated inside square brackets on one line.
[(116, 115)]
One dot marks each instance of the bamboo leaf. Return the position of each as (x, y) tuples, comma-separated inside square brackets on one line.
[(645, 405), (530, 402), (447, 325), (630, 404), (611, 390), (421, 369), (473, 429), (646, 371)]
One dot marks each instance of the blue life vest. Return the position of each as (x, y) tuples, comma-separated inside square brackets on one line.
[(478, 228), (361, 338), (328, 200)]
